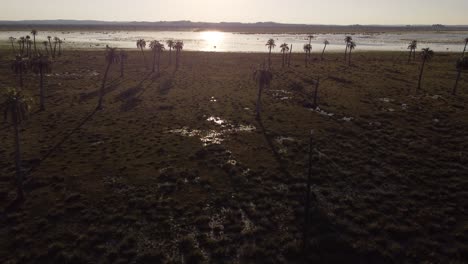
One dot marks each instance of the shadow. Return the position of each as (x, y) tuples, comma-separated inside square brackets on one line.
[(131, 96), (112, 86)]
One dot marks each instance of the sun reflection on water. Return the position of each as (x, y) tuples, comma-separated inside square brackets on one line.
[(213, 39)]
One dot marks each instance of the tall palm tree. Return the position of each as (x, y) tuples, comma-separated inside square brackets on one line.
[(28, 41), (263, 78), (170, 44), (60, 47), (15, 107), (284, 48), (30, 45), (20, 45), (12, 40), (325, 43), (45, 43), (19, 67), (154, 47), (466, 44), (111, 58), (56, 40), (50, 46), (347, 40), (462, 65), (123, 59), (141, 44), (307, 49), (41, 65), (179, 45), (412, 47), (34, 33), (271, 45), (426, 55), (352, 46)]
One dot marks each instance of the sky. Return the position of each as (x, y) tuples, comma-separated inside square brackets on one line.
[(337, 12)]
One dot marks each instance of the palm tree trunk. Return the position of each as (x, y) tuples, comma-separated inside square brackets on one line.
[(290, 55), (414, 54), (144, 58), (464, 50), (306, 64), (177, 59), (19, 175), (41, 86), (101, 91), (269, 58), (283, 58), (60, 49), (323, 51), (159, 63), (421, 74), (13, 47), (454, 92), (349, 62), (154, 60), (346, 52), (50, 46), (259, 100), (410, 53), (170, 55), (34, 39), (55, 48)]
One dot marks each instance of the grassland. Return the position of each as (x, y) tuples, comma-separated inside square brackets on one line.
[(177, 169)]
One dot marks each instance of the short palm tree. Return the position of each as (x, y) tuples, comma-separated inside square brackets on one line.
[(12, 40), (271, 45), (123, 59), (263, 78), (179, 45), (462, 65), (170, 44), (19, 66), (50, 46), (464, 50), (412, 47), (41, 65), (284, 48), (111, 58), (426, 55), (307, 49), (15, 108), (352, 46), (347, 40), (141, 44), (34, 33), (325, 43)]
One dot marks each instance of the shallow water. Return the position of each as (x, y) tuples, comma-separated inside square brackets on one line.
[(236, 42)]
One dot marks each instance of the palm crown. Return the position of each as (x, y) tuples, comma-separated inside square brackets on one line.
[(179, 45), (170, 43), (427, 54), (270, 43), (413, 44), (307, 47), (326, 42), (141, 44), (284, 47), (352, 45), (348, 39)]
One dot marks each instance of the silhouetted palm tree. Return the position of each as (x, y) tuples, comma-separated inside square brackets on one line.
[(412, 47), (347, 40), (28, 42), (56, 40), (41, 65), (34, 33), (284, 48), (15, 108), (352, 46), (12, 40), (290, 55), (263, 78), (123, 59), (19, 66), (45, 43), (60, 47), (466, 44), (310, 39), (111, 58), (426, 55), (21, 45), (154, 46), (50, 46), (179, 45), (307, 49), (325, 43), (271, 45), (170, 44), (462, 65), (141, 44)]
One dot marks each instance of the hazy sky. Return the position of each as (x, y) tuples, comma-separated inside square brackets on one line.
[(289, 11)]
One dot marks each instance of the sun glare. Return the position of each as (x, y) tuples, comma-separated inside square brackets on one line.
[(213, 38)]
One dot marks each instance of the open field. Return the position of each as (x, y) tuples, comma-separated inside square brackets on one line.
[(176, 168)]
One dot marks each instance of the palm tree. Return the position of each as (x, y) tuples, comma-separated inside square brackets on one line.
[(12, 40), (179, 45), (307, 49), (426, 55), (170, 44), (154, 47), (41, 65), (28, 39), (466, 44), (270, 44), (326, 43), (290, 55), (21, 45), (19, 66), (263, 78), (30, 44), (347, 40), (60, 47), (45, 46), (284, 48), (111, 58), (123, 59), (141, 44), (462, 65), (412, 47), (16, 108), (352, 45), (56, 40), (34, 33), (310, 39), (50, 46)]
